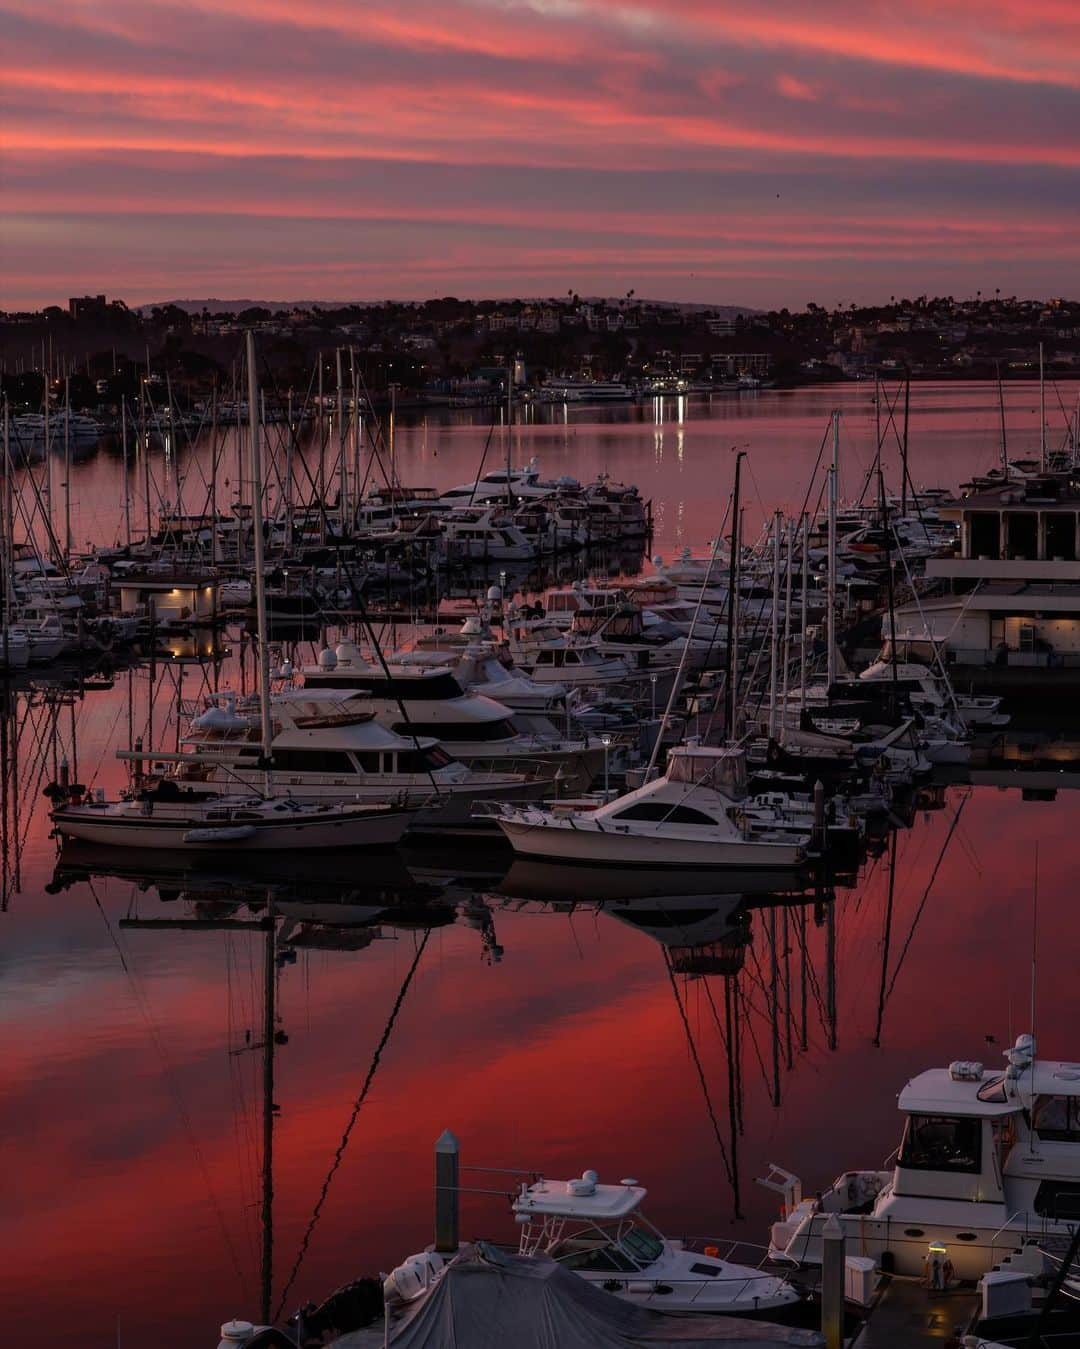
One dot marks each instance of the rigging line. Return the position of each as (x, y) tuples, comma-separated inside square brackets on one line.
[(483, 457), (701, 1074), (886, 939), (174, 1091), (926, 894), (357, 1106)]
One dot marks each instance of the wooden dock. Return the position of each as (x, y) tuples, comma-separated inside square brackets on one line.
[(905, 1315)]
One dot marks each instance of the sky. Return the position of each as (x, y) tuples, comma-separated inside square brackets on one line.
[(696, 150)]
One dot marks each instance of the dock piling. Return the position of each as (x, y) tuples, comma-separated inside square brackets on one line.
[(832, 1283), (447, 1157)]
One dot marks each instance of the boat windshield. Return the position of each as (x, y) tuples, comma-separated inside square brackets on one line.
[(941, 1143), (644, 1248)]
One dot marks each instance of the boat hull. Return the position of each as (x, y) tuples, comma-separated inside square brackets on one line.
[(590, 846), (93, 824)]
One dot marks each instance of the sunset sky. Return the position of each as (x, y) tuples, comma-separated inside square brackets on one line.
[(700, 150)]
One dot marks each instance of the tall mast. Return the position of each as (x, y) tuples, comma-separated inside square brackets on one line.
[(127, 482), (830, 614), (343, 466), (67, 469), (260, 570), (904, 449), (787, 628), (729, 726), (268, 1122), (804, 564), (1001, 418), (509, 427), (774, 623), (1042, 412)]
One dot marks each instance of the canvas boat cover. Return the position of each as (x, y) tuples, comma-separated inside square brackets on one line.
[(487, 1299)]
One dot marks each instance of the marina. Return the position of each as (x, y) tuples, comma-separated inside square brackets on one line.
[(355, 804)]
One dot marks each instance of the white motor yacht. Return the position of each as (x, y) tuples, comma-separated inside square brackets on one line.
[(688, 819), (600, 1233), (550, 659), (988, 1166), (484, 533), (325, 749), (417, 699)]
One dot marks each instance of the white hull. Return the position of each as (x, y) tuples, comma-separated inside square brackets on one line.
[(585, 845), (983, 1247), (93, 824)]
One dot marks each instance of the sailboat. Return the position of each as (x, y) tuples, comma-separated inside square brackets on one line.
[(171, 816)]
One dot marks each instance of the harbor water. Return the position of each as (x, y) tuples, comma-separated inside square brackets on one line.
[(554, 1023)]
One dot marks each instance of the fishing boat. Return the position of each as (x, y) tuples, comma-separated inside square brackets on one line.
[(988, 1168), (601, 1234), (690, 818)]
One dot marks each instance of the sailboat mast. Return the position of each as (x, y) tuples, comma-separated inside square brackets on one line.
[(830, 615), (733, 563), (1042, 412), (269, 972), (260, 566), (774, 624)]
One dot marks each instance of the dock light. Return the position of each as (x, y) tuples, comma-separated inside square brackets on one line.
[(605, 740), (652, 681)]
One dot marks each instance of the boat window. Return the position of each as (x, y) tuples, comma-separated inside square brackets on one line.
[(709, 1271), (993, 1092), (641, 1246), (1057, 1118), (370, 761), (458, 730), (1058, 1199), (941, 1143), (312, 761), (1004, 1134), (657, 810), (422, 760), (605, 1259)]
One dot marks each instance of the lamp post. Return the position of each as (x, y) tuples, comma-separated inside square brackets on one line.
[(652, 681), (605, 740)]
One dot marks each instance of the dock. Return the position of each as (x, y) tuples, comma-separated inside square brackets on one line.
[(905, 1315)]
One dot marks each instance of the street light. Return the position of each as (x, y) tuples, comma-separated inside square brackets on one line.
[(605, 740)]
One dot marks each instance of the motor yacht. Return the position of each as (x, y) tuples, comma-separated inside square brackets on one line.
[(987, 1168), (600, 1233), (325, 748), (428, 700), (688, 819), (484, 533)]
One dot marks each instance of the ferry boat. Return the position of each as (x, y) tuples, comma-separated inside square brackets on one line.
[(988, 1167)]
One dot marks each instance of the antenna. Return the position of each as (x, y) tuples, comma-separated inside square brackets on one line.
[(1034, 937)]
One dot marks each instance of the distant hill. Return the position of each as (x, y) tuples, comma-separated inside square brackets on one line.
[(236, 306)]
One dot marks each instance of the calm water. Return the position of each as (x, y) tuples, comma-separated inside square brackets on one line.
[(546, 1033)]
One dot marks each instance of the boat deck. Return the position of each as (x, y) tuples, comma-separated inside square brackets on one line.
[(907, 1316)]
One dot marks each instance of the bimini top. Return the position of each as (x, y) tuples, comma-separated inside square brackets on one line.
[(581, 1198), (722, 768)]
